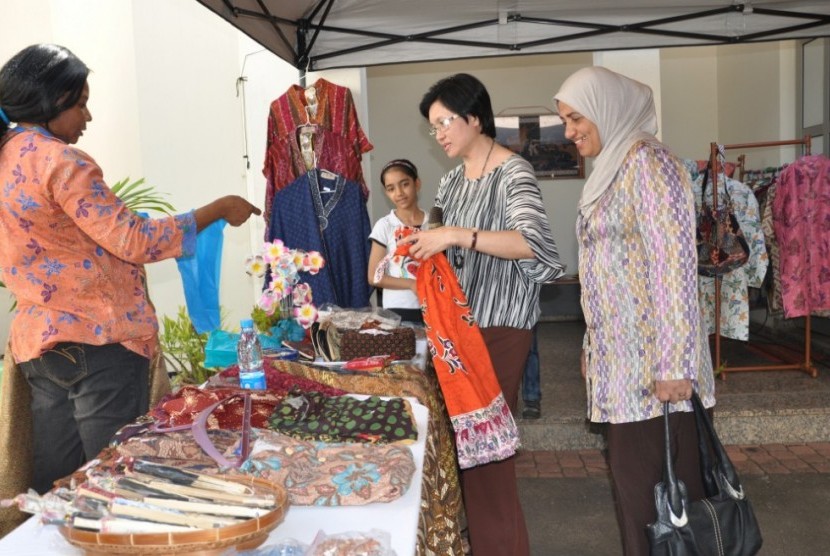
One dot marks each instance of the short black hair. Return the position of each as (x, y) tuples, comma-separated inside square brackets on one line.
[(466, 96), (40, 82)]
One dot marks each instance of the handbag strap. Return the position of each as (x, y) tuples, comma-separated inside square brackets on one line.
[(726, 196), (677, 502), (709, 443)]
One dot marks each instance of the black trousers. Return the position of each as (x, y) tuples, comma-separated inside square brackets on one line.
[(81, 395), (635, 456)]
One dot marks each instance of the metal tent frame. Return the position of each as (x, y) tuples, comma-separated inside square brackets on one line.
[(322, 34)]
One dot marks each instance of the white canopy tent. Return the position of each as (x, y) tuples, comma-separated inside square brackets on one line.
[(322, 34)]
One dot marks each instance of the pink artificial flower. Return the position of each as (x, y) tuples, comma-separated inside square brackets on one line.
[(305, 315), (273, 250), (313, 262), (297, 259), (280, 287), (268, 302), (301, 294)]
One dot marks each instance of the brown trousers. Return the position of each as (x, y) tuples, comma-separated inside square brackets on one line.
[(491, 498), (635, 456)]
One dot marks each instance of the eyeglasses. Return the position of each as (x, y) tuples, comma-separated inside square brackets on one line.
[(443, 125)]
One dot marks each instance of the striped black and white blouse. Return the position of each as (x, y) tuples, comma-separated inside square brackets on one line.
[(501, 292)]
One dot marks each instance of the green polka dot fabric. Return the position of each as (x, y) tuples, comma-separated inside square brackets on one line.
[(315, 416)]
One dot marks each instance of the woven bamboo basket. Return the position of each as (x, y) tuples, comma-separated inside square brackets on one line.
[(199, 542)]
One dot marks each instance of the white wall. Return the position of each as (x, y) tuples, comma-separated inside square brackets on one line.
[(191, 132), (689, 82), (749, 108), (166, 107)]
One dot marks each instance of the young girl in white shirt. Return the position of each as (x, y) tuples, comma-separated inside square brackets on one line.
[(401, 185)]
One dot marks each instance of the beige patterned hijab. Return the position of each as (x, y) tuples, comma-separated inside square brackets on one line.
[(623, 111)]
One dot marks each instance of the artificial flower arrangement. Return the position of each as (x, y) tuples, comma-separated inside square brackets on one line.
[(285, 297)]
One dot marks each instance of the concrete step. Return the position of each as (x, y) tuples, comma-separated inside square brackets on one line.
[(753, 407), (780, 426)]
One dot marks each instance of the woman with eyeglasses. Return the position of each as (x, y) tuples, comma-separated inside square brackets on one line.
[(498, 240)]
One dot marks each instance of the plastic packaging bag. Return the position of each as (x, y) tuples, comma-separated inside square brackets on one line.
[(352, 543), (220, 350), (200, 278)]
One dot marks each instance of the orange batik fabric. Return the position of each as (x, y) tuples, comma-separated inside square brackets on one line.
[(484, 427)]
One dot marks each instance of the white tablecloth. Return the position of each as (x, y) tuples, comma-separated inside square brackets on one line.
[(399, 518)]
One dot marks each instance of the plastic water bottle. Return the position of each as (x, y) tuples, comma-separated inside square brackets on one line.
[(249, 357)]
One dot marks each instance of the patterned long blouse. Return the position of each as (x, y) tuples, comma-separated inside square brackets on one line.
[(501, 292), (638, 270), (72, 252), (801, 212)]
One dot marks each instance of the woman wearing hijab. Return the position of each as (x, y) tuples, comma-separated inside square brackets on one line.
[(644, 343)]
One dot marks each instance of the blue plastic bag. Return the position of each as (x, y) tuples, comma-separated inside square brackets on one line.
[(200, 278)]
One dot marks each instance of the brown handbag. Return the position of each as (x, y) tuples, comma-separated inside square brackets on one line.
[(721, 245), (398, 343)]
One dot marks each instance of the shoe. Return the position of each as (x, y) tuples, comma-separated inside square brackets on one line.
[(532, 410)]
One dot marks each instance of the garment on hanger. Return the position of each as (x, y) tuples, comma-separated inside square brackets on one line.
[(285, 162), (335, 113), (324, 212), (801, 211), (734, 292), (773, 281)]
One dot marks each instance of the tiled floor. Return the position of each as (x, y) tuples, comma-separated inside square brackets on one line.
[(768, 459)]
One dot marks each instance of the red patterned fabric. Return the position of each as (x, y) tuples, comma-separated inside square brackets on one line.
[(283, 382), (181, 407)]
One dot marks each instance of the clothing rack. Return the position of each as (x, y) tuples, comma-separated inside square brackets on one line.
[(806, 365)]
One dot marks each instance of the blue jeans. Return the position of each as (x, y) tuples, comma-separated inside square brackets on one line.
[(531, 379), (81, 395)]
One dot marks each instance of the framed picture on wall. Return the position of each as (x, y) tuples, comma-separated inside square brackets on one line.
[(540, 139)]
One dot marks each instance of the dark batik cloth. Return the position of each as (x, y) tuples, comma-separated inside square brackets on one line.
[(315, 416), (335, 223), (442, 510)]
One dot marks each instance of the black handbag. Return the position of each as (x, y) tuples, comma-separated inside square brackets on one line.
[(723, 523)]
